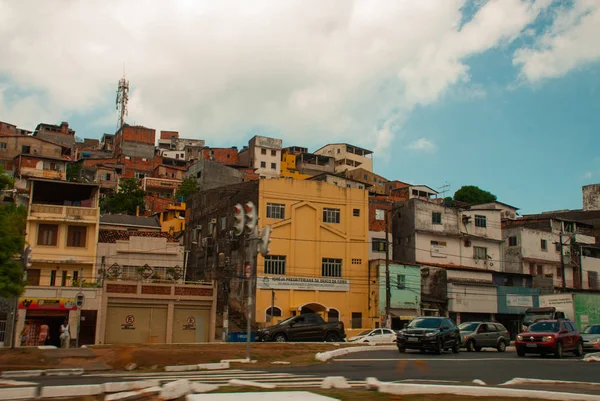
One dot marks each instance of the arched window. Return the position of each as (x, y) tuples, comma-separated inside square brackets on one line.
[(276, 313), (333, 315)]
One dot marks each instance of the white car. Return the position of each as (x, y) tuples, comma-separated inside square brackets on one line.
[(374, 336)]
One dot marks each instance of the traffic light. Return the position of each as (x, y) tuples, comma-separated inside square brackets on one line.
[(79, 300), (238, 221), (251, 217), (27, 258), (263, 245)]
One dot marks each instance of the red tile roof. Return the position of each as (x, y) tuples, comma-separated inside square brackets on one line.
[(112, 236)]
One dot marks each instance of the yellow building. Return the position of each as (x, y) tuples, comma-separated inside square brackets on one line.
[(62, 231), (172, 220), (319, 252), (289, 168)]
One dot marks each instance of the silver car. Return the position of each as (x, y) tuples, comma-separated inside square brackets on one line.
[(477, 335), (591, 338)]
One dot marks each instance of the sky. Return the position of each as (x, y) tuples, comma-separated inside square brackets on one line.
[(500, 94)]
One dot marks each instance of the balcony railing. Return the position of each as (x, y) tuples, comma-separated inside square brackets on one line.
[(64, 212)]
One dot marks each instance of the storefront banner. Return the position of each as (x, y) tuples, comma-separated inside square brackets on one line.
[(524, 301), (302, 283), (48, 303)]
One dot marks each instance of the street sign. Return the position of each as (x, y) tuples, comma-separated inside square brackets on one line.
[(248, 271)]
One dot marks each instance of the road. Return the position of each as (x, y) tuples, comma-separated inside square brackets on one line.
[(492, 367)]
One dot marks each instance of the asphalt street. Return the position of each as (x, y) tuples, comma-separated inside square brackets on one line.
[(490, 366)]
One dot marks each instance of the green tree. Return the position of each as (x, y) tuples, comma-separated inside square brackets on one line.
[(187, 187), (473, 195), (126, 200), (12, 242), (74, 172)]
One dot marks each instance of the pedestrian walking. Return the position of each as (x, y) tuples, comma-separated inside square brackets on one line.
[(65, 335)]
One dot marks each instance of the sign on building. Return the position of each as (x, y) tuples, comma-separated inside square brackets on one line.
[(524, 301), (48, 303), (302, 283)]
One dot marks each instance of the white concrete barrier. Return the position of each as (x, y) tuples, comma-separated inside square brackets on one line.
[(21, 393), (64, 372), (181, 368), (200, 388), (22, 373), (595, 357), (117, 387), (248, 383), (134, 395), (71, 391), (327, 355), (335, 382), (175, 389), (213, 366)]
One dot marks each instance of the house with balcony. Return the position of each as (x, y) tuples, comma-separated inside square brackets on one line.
[(347, 157), (62, 230)]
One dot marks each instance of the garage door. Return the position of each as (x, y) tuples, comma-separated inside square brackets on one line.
[(191, 325), (138, 324)]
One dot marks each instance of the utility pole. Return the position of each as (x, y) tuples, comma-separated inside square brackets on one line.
[(562, 263), (79, 304), (388, 289)]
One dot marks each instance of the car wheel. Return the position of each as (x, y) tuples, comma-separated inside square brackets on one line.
[(332, 337), (280, 338), (579, 350), (470, 345), (456, 347), (401, 350), (439, 347), (520, 352), (501, 346), (558, 352)]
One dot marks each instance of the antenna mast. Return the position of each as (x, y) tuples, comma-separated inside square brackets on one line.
[(122, 99), (444, 188)]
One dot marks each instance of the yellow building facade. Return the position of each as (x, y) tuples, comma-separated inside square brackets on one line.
[(318, 260), (172, 220), (289, 168)]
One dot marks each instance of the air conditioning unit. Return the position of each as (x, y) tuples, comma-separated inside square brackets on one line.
[(467, 243)]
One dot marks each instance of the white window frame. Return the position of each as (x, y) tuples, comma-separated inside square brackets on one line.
[(379, 214), (331, 215), (275, 211), (480, 221), (479, 254), (331, 267), (275, 264)]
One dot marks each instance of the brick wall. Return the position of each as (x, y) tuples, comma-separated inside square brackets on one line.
[(374, 204), (168, 134), (221, 155)]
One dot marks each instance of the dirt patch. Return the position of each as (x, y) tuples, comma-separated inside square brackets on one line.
[(148, 357)]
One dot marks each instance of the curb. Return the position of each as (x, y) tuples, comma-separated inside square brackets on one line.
[(436, 389), (20, 393), (327, 355), (37, 373), (200, 366)]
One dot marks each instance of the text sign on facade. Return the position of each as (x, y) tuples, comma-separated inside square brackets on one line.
[(190, 323), (265, 142), (47, 304), (302, 283), (129, 323), (524, 301)]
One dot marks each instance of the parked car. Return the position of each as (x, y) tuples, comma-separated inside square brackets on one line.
[(478, 335), (306, 327), (429, 333), (374, 336), (591, 338), (533, 315), (550, 337)]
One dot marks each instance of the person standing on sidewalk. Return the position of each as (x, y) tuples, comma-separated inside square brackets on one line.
[(65, 335)]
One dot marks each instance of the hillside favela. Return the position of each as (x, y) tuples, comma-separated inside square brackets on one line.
[(352, 201)]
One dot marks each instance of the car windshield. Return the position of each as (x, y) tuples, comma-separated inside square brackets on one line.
[(285, 321), (364, 333), (425, 323), (468, 326), (592, 330), (544, 327)]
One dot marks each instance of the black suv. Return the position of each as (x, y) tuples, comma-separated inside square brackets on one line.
[(429, 333)]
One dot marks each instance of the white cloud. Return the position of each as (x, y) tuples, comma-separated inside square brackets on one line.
[(422, 144), (588, 175), (310, 71), (572, 41)]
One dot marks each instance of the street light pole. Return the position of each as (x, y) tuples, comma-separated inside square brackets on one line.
[(388, 289)]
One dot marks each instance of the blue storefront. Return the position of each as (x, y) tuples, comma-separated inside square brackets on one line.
[(512, 303)]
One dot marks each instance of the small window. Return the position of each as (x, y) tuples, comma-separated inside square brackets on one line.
[(357, 261), (63, 280), (331, 267), (436, 218), (275, 211), (544, 244), (415, 192), (2, 145), (274, 166), (223, 223), (356, 212), (401, 282), (480, 252), (276, 312), (263, 164), (47, 234), (593, 280), (275, 264), (263, 151), (53, 278), (25, 149), (76, 236), (331, 216), (273, 153), (512, 241), (379, 214), (378, 245), (480, 221), (557, 247), (559, 272)]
